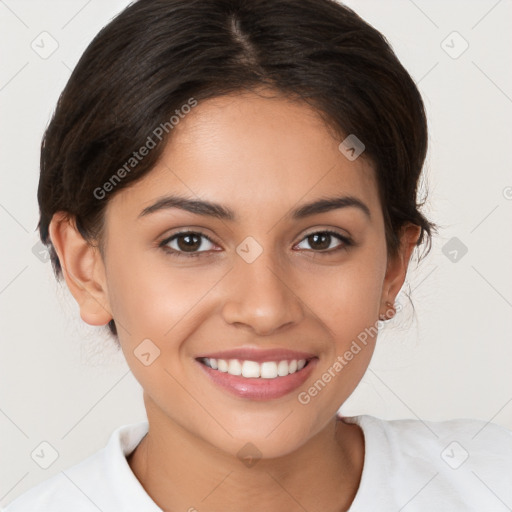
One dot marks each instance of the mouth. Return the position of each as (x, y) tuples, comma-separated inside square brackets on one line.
[(259, 376), (253, 369)]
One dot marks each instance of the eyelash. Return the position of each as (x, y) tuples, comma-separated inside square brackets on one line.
[(347, 242)]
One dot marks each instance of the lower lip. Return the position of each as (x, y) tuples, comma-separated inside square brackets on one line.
[(258, 388)]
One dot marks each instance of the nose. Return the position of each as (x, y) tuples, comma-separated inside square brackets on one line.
[(261, 296)]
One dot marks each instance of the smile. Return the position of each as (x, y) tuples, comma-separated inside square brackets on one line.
[(264, 380), (253, 369)]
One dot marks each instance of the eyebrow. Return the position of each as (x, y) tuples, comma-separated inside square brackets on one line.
[(211, 209)]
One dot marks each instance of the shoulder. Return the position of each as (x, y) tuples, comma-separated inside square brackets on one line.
[(456, 442), (463, 462), (59, 492), (456, 438), (102, 481)]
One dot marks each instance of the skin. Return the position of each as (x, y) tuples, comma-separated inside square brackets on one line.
[(261, 156)]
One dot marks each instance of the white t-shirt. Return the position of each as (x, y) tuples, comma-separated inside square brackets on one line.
[(410, 465)]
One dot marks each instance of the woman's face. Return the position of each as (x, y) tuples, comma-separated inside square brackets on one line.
[(264, 281)]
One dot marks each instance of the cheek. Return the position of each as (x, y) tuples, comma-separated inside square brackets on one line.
[(350, 298), (349, 306), (156, 299)]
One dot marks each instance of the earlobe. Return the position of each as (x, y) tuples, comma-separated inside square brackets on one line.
[(82, 268), (397, 266)]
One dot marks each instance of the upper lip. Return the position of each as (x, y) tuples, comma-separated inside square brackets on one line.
[(258, 355)]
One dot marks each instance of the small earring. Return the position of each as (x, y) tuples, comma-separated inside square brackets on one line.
[(390, 312)]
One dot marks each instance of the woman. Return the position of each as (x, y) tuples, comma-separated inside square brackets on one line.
[(230, 186)]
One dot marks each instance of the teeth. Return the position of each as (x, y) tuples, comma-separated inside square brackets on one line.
[(252, 369), (222, 365), (269, 370), (234, 367), (282, 368)]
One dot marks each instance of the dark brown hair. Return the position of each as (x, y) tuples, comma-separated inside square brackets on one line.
[(156, 55)]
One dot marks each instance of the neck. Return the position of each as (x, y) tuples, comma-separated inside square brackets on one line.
[(181, 472)]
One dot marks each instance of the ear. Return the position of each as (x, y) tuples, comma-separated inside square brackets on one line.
[(83, 269), (397, 266)]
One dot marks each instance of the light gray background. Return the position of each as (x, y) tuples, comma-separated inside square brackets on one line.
[(63, 382)]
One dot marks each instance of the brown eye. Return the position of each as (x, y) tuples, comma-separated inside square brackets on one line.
[(321, 241), (187, 243)]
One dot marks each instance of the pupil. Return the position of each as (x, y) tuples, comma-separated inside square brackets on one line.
[(324, 245), (188, 245)]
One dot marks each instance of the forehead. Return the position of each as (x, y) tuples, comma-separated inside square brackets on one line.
[(252, 151)]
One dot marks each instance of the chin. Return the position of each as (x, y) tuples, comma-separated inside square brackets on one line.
[(270, 437)]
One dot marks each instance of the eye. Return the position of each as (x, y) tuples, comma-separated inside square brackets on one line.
[(186, 243), (321, 241)]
